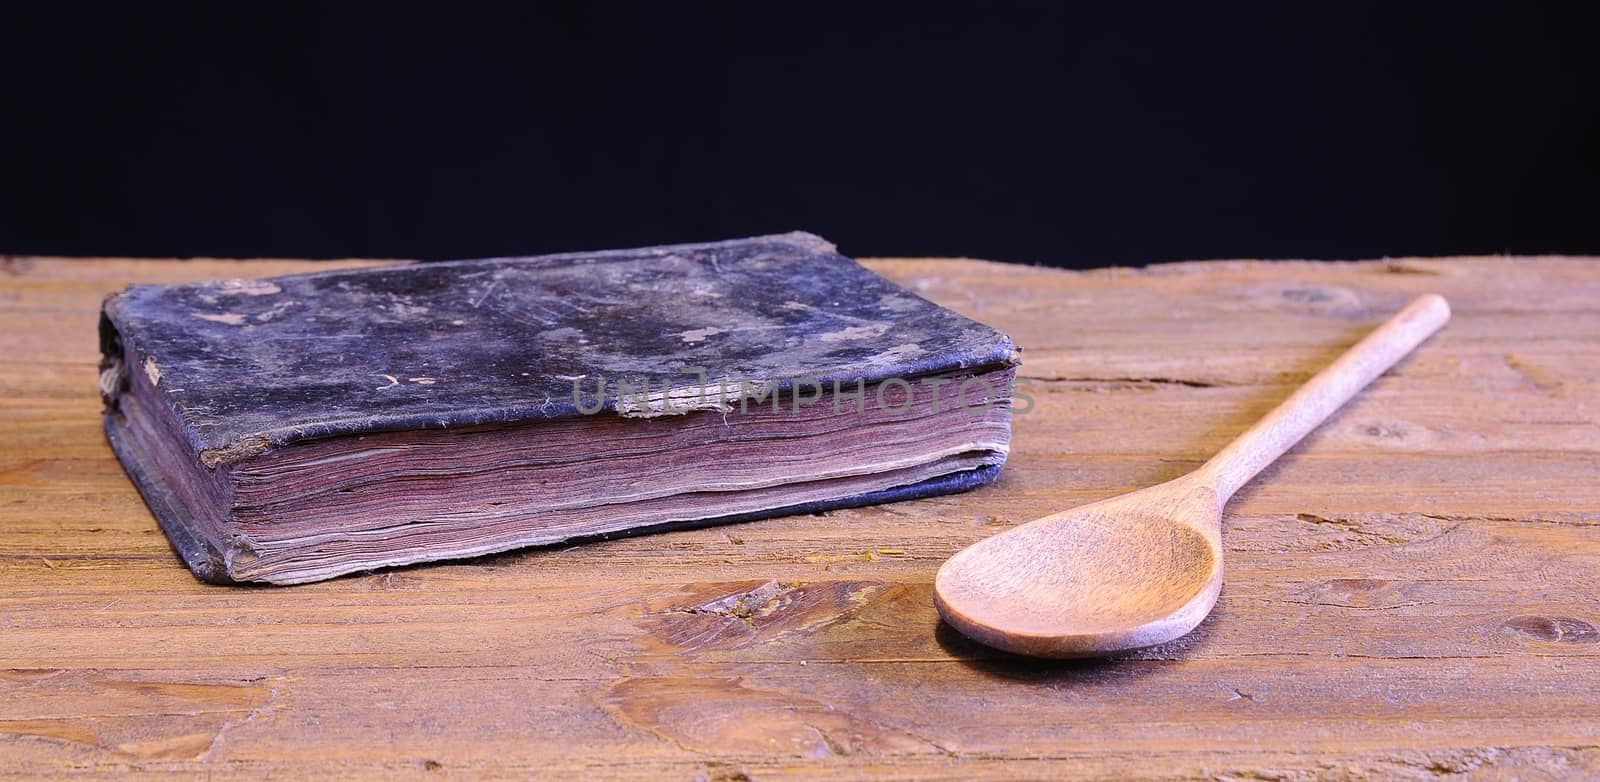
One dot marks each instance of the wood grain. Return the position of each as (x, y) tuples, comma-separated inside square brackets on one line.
[(1411, 591)]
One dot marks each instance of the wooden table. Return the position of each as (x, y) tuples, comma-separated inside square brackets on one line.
[(1414, 592)]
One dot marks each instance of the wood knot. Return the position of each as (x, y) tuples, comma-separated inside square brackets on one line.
[(804, 616), (1323, 299), (1384, 431), (1369, 594), (1388, 434), (1553, 629)]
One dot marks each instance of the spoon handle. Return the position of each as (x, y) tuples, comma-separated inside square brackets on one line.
[(1313, 402)]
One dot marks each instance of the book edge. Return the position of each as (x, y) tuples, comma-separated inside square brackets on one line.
[(203, 560), (952, 483)]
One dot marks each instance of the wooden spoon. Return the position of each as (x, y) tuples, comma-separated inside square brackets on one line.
[(1144, 568)]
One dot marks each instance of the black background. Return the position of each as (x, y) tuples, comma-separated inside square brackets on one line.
[(1070, 134)]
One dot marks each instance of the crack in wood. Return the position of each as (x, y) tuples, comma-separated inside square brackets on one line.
[(1127, 380)]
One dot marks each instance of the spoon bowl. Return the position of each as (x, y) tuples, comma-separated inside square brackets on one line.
[(1129, 572)]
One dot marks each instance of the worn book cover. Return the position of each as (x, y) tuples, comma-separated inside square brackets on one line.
[(297, 428)]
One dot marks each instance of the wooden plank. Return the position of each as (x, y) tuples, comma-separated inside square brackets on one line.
[(1411, 592)]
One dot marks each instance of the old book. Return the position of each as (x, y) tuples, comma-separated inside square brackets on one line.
[(297, 428)]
